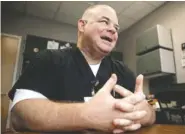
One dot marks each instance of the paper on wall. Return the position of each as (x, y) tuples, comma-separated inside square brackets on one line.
[(67, 45), (52, 45)]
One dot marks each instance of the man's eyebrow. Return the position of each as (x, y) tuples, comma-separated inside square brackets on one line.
[(104, 17)]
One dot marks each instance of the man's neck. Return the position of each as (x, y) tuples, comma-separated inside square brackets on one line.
[(92, 58)]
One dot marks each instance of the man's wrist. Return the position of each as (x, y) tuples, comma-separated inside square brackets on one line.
[(82, 117), (86, 117)]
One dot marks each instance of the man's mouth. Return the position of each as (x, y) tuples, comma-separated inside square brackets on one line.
[(106, 38)]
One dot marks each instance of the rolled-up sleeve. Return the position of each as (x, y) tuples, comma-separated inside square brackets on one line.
[(39, 76)]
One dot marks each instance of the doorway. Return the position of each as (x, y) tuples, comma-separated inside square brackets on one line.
[(10, 53)]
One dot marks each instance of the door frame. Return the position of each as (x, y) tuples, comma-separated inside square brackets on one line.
[(15, 72), (16, 68)]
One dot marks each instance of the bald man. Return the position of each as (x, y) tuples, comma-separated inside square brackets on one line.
[(81, 88)]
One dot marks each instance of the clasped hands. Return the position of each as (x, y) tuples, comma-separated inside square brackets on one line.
[(133, 105), (104, 112)]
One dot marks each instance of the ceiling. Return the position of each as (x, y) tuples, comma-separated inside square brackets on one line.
[(129, 12)]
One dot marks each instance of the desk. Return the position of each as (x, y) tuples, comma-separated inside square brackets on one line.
[(154, 129)]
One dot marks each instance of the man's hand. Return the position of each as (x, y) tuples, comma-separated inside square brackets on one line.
[(100, 111), (132, 98), (148, 119), (140, 105), (143, 105)]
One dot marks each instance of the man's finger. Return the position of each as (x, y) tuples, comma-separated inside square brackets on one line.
[(136, 115), (132, 127), (139, 83), (117, 131), (124, 106), (111, 82), (122, 91), (134, 98), (122, 122)]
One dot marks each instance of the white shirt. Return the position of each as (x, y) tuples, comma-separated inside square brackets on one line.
[(23, 94)]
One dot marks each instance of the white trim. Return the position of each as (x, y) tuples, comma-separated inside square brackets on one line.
[(23, 94), (95, 68)]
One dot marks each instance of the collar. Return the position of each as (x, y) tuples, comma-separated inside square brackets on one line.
[(104, 71)]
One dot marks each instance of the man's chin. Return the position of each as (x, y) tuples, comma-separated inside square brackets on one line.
[(105, 51)]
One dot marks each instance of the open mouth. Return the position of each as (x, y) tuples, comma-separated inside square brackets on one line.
[(106, 38)]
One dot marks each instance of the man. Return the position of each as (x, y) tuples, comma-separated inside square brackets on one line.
[(49, 95)]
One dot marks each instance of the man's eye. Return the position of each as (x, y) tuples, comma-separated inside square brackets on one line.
[(104, 21), (117, 29)]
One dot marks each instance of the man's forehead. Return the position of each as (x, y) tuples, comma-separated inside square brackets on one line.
[(106, 12)]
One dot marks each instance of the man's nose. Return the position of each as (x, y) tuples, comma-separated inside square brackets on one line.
[(112, 29)]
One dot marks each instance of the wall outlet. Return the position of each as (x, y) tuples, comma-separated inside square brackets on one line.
[(183, 62), (183, 46)]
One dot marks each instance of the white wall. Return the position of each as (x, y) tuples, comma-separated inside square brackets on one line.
[(23, 25), (172, 16)]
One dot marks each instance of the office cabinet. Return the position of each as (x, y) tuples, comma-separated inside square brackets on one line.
[(156, 63), (153, 38)]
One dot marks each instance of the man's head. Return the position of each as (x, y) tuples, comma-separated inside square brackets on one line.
[(97, 29)]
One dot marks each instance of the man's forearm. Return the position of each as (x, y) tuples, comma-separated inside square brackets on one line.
[(47, 116)]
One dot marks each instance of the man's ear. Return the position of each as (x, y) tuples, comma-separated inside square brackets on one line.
[(81, 25)]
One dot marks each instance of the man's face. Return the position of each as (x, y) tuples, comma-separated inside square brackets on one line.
[(100, 31)]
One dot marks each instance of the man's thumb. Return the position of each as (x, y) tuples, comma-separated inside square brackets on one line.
[(111, 82), (139, 83)]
